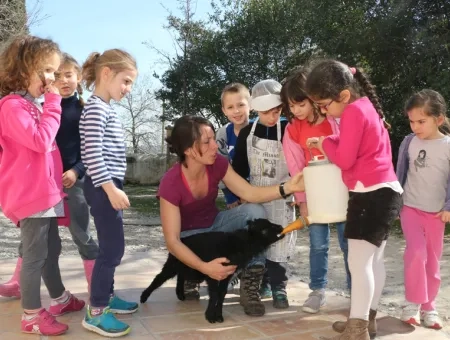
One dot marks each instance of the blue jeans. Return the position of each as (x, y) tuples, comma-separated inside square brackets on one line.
[(319, 238), (111, 241), (234, 219)]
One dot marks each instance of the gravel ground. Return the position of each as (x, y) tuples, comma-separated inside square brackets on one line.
[(143, 233)]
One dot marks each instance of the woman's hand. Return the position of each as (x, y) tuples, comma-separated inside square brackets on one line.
[(295, 184), (216, 270)]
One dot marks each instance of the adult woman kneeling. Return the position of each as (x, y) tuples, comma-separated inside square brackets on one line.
[(188, 193)]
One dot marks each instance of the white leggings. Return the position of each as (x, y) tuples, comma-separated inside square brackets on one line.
[(366, 263)]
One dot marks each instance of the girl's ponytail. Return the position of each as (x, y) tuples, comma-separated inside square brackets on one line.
[(369, 91)]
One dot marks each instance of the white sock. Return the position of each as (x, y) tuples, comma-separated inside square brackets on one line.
[(379, 273), (360, 262), (62, 299)]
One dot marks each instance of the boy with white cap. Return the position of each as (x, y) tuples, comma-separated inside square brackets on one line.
[(259, 156)]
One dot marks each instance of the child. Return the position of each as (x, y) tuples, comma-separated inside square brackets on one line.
[(363, 152), (68, 142), (30, 176), (236, 108), (259, 156), (423, 170), (110, 76), (306, 121)]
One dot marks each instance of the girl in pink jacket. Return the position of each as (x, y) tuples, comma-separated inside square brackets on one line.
[(305, 121), (31, 192)]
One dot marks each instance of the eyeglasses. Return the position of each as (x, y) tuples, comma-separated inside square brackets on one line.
[(324, 106)]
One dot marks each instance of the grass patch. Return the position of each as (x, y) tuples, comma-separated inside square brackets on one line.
[(145, 205), (150, 205)]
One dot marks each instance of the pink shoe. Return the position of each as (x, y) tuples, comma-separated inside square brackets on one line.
[(10, 289), (44, 323), (72, 305)]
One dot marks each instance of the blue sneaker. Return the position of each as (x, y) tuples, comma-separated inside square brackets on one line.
[(119, 306), (105, 324), (265, 291)]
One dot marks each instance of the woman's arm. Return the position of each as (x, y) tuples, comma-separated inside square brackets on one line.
[(171, 224), (253, 194)]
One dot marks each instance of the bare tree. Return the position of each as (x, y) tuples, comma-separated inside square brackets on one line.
[(139, 115), (183, 31), (13, 18)]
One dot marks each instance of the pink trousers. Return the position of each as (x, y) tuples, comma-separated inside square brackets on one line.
[(424, 235)]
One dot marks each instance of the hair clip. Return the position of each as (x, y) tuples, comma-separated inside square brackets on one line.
[(352, 70)]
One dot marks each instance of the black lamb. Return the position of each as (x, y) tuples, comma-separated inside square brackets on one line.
[(239, 247)]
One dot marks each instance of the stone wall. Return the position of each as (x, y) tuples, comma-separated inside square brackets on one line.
[(147, 169)]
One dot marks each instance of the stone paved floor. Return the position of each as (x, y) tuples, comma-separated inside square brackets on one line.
[(164, 317)]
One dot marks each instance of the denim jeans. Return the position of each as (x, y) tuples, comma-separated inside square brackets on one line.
[(234, 219), (319, 238)]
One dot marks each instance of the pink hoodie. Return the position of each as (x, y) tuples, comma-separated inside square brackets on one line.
[(295, 157), (30, 163)]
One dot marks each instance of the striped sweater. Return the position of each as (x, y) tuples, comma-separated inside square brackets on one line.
[(102, 142)]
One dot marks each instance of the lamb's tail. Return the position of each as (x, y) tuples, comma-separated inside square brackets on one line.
[(169, 271)]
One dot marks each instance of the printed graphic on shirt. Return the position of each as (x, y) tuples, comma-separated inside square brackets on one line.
[(421, 160)]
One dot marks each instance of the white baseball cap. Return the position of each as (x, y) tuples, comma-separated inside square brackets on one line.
[(265, 95)]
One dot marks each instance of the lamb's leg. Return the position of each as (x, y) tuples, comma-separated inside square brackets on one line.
[(179, 290), (213, 290), (169, 271), (223, 289)]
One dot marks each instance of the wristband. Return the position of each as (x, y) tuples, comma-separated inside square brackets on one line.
[(282, 192)]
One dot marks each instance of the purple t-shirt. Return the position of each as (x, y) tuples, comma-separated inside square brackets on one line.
[(195, 213)]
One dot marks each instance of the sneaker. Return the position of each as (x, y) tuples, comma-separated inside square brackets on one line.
[(105, 324), (71, 305), (431, 319), (10, 289), (411, 314), (119, 306), (316, 299), (233, 282), (44, 324), (280, 299), (191, 290), (265, 291)]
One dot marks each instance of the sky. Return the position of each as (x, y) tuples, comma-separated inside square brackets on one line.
[(84, 26)]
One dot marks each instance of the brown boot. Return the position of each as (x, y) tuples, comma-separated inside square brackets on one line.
[(339, 326), (249, 290), (356, 329)]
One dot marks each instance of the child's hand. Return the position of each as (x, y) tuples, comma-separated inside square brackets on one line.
[(444, 215), (312, 142), (69, 178), (303, 209), (51, 88), (233, 205), (316, 142), (118, 198)]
